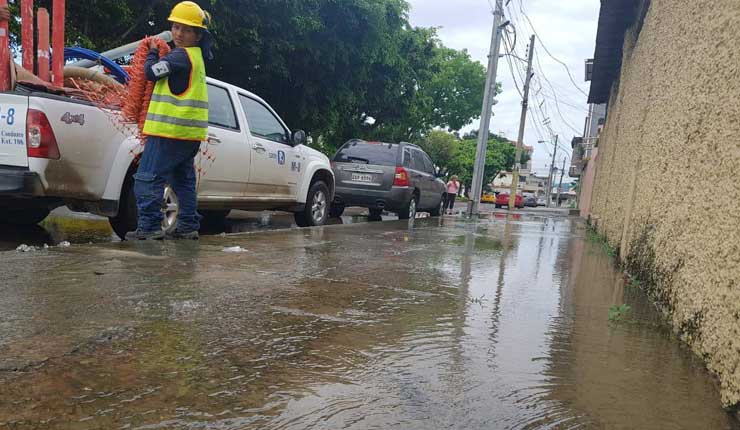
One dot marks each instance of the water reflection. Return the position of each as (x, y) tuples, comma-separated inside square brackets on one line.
[(495, 323)]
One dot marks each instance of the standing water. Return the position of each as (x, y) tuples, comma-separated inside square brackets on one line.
[(499, 324)]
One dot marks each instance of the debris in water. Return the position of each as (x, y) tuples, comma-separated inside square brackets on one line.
[(64, 244), (25, 248), (235, 249)]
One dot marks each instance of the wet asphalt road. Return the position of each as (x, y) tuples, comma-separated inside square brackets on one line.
[(500, 323)]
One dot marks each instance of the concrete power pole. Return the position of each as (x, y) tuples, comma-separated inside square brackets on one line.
[(522, 123), (560, 185), (552, 166), (485, 118)]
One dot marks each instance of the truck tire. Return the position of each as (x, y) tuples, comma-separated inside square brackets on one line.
[(316, 211), (410, 210), (126, 219), (23, 217)]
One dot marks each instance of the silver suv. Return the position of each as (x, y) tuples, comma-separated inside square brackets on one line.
[(396, 177)]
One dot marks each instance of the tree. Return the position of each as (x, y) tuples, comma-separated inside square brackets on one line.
[(500, 154), (337, 69), (442, 147)]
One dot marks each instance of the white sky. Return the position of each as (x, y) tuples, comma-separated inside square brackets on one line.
[(567, 29)]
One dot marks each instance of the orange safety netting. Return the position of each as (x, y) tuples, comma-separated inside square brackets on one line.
[(136, 103)]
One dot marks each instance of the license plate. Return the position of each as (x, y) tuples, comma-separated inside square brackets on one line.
[(361, 177)]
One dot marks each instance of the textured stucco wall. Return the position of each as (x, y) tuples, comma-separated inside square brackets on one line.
[(667, 189)]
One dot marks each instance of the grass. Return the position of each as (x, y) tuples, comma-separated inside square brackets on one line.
[(617, 312), (595, 237)]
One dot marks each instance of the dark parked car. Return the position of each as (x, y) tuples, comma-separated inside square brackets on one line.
[(396, 177), (530, 201)]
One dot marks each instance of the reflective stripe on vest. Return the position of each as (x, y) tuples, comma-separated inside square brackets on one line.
[(184, 116)]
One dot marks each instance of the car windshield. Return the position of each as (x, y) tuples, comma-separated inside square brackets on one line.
[(381, 154)]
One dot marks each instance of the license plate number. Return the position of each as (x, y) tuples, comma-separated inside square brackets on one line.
[(360, 177)]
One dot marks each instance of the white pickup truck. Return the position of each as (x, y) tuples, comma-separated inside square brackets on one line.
[(57, 151)]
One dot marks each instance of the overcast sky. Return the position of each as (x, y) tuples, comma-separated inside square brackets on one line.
[(567, 29)]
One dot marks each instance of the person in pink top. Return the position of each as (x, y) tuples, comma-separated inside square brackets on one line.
[(453, 187)]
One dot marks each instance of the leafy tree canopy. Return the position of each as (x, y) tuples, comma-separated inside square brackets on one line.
[(338, 69)]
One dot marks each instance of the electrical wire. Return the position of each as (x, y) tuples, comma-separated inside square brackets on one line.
[(567, 69)]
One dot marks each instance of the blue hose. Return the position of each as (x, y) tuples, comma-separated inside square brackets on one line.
[(86, 54)]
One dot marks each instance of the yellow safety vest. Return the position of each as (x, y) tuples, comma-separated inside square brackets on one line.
[(184, 116)]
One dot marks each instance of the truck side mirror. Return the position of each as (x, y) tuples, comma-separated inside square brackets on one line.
[(299, 137)]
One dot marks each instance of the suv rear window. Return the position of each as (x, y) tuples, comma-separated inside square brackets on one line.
[(368, 153)]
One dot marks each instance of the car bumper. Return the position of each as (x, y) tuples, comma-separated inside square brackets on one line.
[(394, 199), (20, 183)]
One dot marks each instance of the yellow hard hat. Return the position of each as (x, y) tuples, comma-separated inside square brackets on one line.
[(189, 13)]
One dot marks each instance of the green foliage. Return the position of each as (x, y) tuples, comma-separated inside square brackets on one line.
[(595, 237), (499, 157), (617, 312), (442, 147), (327, 66)]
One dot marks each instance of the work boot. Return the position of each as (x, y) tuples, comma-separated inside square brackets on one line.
[(145, 235), (180, 235)]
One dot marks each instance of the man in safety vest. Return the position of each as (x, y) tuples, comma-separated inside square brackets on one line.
[(176, 124)]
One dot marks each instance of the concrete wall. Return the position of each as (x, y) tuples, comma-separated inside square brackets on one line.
[(667, 189), (587, 184)]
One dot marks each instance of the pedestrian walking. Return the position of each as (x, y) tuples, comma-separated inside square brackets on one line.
[(176, 124), (453, 187)]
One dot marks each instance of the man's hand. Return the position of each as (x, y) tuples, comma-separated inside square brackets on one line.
[(4, 13), (153, 43)]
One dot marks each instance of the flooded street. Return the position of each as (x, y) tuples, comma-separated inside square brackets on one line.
[(503, 323)]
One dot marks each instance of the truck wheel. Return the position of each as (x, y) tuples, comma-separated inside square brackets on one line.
[(127, 216), (24, 216), (410, 210), (336, 211), (317, 206)]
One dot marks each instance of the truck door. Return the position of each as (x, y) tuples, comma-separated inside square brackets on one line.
[(224, 160), (276, 165)]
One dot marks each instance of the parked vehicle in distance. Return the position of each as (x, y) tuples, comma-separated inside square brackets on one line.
[(61, 151), (502, 200), (396, 177), (541, 201), (530, 201), (488, 198)]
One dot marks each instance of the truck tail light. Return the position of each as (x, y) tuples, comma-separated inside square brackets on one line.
[(402, 178), (40, 139)]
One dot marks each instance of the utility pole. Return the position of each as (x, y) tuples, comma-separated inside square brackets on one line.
[(550, 178), (560, 185), (522, 123), (485, 117)]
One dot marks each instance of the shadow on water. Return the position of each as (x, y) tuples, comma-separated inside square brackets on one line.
[(435, 323), (54, 230)]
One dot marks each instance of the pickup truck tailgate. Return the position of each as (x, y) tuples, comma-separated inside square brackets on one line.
[(13, 110)]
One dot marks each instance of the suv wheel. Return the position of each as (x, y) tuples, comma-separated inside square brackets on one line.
[(317, 206), (409, 212)]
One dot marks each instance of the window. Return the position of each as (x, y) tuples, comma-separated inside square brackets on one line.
[(522, 179), (417, 161), (379, 154), (220, 109), (428, 165), (406, 158), (262, 123)]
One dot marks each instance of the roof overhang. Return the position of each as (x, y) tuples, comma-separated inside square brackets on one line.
[(615, 17)]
